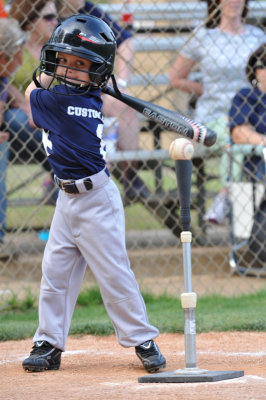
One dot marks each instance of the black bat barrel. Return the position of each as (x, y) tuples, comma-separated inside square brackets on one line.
[(183, 170)]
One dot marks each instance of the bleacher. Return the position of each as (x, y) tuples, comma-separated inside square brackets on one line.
[(162, 28)]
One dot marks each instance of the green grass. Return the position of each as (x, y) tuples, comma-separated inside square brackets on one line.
[(213, 313)]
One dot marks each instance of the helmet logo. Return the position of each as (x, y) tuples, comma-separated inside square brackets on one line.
[(91, 39)]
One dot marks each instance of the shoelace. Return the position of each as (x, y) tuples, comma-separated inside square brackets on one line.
[(147, 352), (40, 349)]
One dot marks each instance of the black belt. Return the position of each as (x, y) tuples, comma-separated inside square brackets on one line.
[(70, 186)]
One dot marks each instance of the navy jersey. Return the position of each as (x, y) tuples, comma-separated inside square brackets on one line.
[(120, 34), (73, 130), (249, 107)]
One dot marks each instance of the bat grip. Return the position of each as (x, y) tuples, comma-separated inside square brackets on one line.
[(185, 219), (183, 170)]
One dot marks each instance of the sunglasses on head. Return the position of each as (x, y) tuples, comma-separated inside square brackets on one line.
[(261, 63), (49, 17)]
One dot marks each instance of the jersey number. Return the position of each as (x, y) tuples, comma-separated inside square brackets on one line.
[(47, 144), (99, 133)]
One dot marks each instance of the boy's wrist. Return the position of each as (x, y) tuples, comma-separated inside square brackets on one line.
[(45, 80)]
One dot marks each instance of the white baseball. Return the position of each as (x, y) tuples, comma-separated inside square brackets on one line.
[(181, 149)]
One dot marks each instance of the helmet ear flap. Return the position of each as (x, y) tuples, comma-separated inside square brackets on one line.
[(48, 61), (51, 61)]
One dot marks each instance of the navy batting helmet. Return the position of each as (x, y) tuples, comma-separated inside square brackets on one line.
[(84, 36)]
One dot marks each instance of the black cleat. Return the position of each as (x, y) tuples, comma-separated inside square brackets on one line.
[(43, 356), (150, 356)]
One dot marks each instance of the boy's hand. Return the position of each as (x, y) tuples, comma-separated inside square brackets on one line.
[(2, 109), (45, 81), (4, 136)]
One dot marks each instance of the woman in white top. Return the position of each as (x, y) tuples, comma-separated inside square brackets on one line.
[(220, 51)]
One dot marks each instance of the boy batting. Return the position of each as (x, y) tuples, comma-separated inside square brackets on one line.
[(88, 224)]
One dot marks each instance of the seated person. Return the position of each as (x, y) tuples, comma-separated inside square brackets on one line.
[(247, 119), (247, 116), (11, 49), (37, 18), (222, 73)]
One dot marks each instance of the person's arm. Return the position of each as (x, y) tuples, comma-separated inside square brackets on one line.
[(179, 73), (18, 100), (46, 81), (125, 57), (246, 134), (2, 109), (4, 136)]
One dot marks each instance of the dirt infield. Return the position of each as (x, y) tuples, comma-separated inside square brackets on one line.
[(98, 368)]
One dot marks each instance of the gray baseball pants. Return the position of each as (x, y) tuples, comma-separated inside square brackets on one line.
[(88, 228)]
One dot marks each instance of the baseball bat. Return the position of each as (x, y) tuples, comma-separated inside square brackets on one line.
[(169, 120), (183, 169)]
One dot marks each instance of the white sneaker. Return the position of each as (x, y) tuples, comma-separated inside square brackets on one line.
[(218, 211)]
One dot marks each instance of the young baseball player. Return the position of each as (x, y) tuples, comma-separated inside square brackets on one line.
[(88, 224)]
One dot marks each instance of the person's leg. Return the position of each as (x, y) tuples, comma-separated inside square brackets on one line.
[(260, 169), (100, 235), (63, 269), (128, 128), (220, 206), (3, 200), (128, 140)]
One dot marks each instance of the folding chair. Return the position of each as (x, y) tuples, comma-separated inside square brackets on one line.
[(245, 198)]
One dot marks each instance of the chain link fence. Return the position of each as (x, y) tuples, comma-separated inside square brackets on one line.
[(138, 158)]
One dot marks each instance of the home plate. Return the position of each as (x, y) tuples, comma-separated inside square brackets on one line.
[(183, 376)]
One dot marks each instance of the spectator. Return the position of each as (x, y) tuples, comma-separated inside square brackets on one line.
[(38, 18), (128, 126), (247, 115), (11, 48), (247, 122), (220, 50)]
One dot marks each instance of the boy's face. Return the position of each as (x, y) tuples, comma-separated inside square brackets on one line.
[(73, 68)]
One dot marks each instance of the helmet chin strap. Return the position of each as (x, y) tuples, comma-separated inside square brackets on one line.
[(71, 84), (35, 80), (82, 87)]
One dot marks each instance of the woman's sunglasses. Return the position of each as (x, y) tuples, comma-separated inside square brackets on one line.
[(49, 17), (261, 63)]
